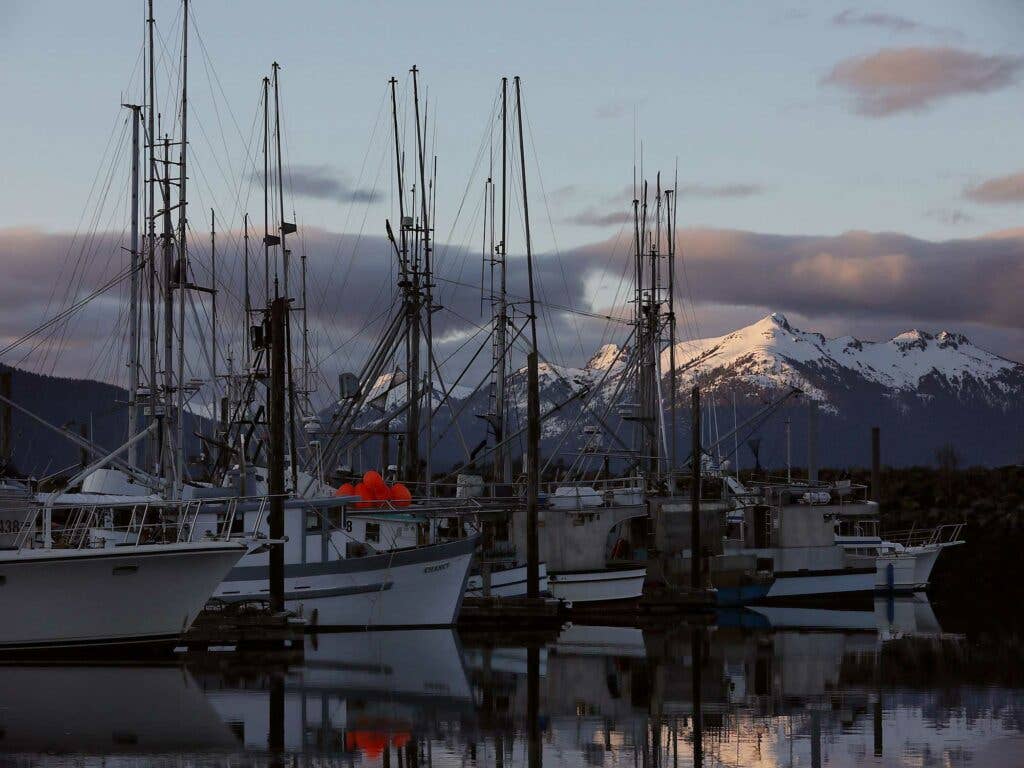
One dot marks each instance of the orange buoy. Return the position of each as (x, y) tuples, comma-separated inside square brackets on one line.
[(362, 490), (346, 489), (400, 495), (371, 743)]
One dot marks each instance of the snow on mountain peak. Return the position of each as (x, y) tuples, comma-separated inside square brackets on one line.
[(772, 354), (606, 356)]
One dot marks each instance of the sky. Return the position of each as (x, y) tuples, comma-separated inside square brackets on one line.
[(845, 164)]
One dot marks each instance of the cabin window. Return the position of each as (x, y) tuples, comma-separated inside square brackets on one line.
[(3, 580), (373, 532), (125, 570), (765, 564)]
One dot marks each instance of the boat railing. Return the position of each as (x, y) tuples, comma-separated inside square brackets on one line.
[(610, 484), (838, 493), (93, 525), (947, 533)]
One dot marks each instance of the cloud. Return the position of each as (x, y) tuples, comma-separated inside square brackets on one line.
[(862, 274), (719, 190), (890, 22), (852, 273), (592, 217), (896, 80), (1002, 189), (951, 216), (854, 282), (321, 182)]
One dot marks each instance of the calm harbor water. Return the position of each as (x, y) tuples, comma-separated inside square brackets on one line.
[(904, 683)]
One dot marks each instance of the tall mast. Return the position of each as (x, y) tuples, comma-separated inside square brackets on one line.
[(305, 328), (213, 298), (654, 335), (502, 456), (166, 441), (134, 316), (179, 468), (151, 261), (533, 393), (248, 297), (404, 253), (268, 239), (427, 276), (285, 228), (410, 294), (638, 427), (671, 238)]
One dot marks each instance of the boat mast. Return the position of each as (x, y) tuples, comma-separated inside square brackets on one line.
[(502, 456), (268, 239), (133, 309), (533, 393), (285, 253), (213, 299), (285, 228), (411, 301), (248, 297), (182, 271), (427, 276), (638, 440), (655, 411), (671, 245), (166, 442), (155, 445), (305, 329)]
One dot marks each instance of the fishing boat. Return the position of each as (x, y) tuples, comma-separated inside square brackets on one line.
[(336, 578), (903, 560), (779, 545), (71, 586), (594, 542)]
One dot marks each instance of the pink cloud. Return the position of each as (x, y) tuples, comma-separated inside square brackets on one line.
[(853, 273), (1002, 189), (897, 80)]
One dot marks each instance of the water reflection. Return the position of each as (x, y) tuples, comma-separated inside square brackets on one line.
[(881, 686)]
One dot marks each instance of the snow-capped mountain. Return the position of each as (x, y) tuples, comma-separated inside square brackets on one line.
[(925, 390), (772, 355)]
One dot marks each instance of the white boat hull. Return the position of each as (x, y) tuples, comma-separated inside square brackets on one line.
[(837, 584), (821, 584), (510, 582), (895, 572), (404, 588), (924, 560), (75, 597), (598, 586)]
